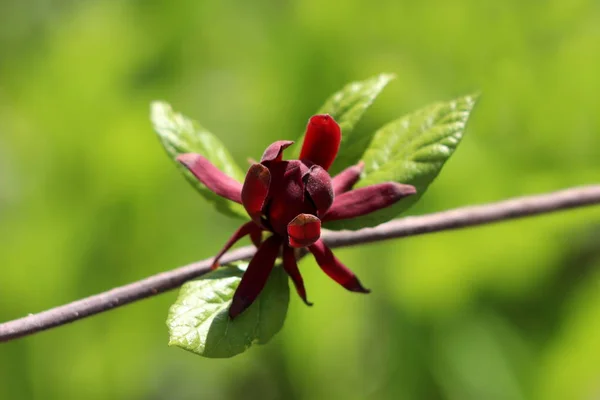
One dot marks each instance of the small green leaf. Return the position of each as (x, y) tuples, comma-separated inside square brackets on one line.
[(199, 321), (411, 150), (179, 135), (347, 106)]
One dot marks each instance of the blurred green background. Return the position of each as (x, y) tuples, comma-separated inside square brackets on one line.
[(89, 201)]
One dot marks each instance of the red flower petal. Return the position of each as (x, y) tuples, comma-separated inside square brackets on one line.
[(275, 150), (345, 180), (317, 183), (291, 267), (256, 236), (322, 141), (255, 190), (335, 269), (212, 177), (287, 197), (365, 200), (256, 276), (247, 228), (304, 230)]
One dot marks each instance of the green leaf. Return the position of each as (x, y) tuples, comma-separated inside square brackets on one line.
[(347, 106), (179, 135), (411, 150), (199, 321)]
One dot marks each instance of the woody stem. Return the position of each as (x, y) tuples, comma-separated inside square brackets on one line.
[(410, 226)]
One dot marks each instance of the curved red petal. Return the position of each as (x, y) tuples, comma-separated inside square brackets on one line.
[(247, 228), (322, 140), (345, 180), (256, 236), (304, 230), (275, 151), (254, 279), (367, 199), (255, 190), (335, 269), (317, 183), (291, 267), (212, 177)]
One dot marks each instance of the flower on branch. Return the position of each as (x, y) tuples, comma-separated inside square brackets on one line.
[(290, 199)]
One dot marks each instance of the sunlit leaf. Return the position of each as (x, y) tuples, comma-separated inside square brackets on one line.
[(199, 321), (179, 135), (411, 150)]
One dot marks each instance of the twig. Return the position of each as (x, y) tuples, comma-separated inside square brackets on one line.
[(410, 226)]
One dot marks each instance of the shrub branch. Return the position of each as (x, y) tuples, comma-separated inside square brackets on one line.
[(410, 226)]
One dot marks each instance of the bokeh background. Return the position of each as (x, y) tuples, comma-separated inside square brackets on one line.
[(89, 201)]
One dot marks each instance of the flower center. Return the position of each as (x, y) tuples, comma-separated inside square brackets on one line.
[(287, 195)]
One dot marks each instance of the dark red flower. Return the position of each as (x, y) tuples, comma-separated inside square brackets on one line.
[(290, 199)]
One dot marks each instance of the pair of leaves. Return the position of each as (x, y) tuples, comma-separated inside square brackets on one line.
[(410, 150), (180, 134)]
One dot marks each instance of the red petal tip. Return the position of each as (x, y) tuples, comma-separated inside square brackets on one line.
[(304, 230), (275, 150), (211, 176), (322, 141), (356, 286), (335, 269), (259, 174), (255, 190), (405, 190), (238, 307), (321, 120), (187, 158)]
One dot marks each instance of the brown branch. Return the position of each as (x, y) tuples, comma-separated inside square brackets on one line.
[(410, 226)]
